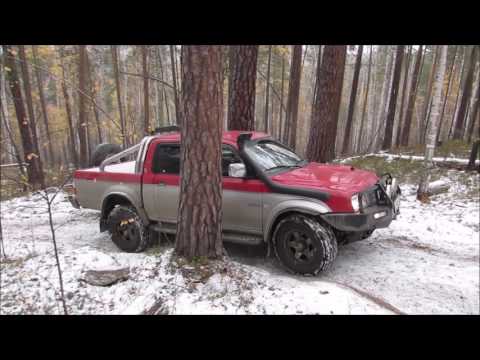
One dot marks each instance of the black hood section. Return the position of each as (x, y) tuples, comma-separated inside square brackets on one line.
[(244, 140)]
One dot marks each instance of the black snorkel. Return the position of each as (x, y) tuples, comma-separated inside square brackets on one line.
[(245, 140)]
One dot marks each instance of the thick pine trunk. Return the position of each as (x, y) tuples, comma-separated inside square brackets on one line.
[(467, 90), (199, 225), (473, 108), (34, 168), (82, 109), (291, 116), (241, 87), (387, 139), (353, 97), (411, 98), (323, 132), (431, 135)]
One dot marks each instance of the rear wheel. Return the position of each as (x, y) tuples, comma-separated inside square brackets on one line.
[(128, 231), (303, 245)]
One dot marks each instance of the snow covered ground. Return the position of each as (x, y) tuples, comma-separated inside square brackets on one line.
[(426, 262)]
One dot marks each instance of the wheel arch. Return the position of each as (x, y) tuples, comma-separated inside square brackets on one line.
[(114, 199), (290, 207)]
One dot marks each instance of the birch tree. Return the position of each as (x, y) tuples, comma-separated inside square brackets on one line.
[(431, 135)]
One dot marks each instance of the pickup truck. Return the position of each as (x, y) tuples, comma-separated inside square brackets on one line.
[(271, 195)]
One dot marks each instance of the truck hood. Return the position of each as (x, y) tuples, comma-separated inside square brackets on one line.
[(328, 177)]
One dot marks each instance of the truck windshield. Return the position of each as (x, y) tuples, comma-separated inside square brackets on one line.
[(269, 155)]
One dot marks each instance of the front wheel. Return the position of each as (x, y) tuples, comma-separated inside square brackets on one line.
[(303, 245), (128, 231)]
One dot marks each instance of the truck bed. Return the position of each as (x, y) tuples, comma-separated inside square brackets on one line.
[(93, 185)]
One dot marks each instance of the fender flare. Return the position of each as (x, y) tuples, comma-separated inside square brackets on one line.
[(103, 216), (304, 206)]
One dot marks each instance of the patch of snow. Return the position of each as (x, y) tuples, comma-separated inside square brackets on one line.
[(426, 262)]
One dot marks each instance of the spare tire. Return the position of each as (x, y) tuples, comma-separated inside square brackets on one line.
[(103, 151)]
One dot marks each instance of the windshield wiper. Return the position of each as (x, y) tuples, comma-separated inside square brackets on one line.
[(284, 167)]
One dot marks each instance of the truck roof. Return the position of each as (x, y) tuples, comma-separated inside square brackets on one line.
[(227, 136)]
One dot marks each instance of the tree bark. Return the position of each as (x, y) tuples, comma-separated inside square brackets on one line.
[(34, 168), (93, 95), (427, 102), (365, 101), (402, 101), (430, 139), (450, 72), (199, 223), (68, 109), (353, 97), (175, 86), (280, 110), (387, 139), (291, 116), (474, 111), (82, 110), (43, 105), (267, 90), (411, 98), (146, 92), (323, 132), (241, 88), (118, 89), (467, 90)]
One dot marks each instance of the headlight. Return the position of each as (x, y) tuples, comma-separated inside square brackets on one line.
[(355, 203)]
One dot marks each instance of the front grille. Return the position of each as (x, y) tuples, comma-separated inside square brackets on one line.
[(373, 196)]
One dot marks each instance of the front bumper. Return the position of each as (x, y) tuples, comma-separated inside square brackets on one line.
[(374, 215)]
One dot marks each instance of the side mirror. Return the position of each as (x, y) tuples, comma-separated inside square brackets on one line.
[(237, 170)]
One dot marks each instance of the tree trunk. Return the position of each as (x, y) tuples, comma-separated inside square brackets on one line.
[(427, 102), (146, 93), (93, 95), (73, 148), (459, 90), (43, 105), (160, 88), (321, 143), (175, 87), (473, 107), (411, 98), (387, 139), (450, 72), (241, 88), (280, 110), (365, 101), (291, 115), (473, 156), (467, 90), (199, 224), (27, 92), (422, 192), (267, 90), (402, 101), (353, 97), (118, 89), (82, 110), (34, 168)]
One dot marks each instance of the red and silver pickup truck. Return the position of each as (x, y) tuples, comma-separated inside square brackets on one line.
[(270, 194)]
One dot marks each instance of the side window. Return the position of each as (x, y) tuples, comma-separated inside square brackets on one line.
[(166, 159), (229, 156)]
